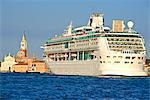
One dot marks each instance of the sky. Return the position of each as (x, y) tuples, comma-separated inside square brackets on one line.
[(42, 19)]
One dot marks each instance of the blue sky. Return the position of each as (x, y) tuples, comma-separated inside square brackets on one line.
[(42, 19)]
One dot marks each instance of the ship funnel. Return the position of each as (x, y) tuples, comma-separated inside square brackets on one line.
[(118, 26), (96, 21)]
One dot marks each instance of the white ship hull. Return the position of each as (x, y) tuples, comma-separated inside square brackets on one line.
[(124, 70), (87, 68), (93, 68)]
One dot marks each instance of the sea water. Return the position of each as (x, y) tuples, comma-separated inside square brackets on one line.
[(34, 86)]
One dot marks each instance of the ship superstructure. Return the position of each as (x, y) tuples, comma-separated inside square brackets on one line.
[(95, 49)]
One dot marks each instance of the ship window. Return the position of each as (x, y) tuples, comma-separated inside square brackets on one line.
[(100, 61), (127, 57), (133, 57), (103, 61), (66, 45), (114, 56), (119, 56), (88, 29), (131, 62), (139, 62), (142, 58), (117, 62), (138, 57), (126, 62), (100, 57), (108, 56), (78, 30)]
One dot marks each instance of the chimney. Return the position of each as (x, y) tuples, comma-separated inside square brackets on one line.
[(118, 26)]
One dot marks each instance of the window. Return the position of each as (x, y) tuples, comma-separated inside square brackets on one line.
[(133, 57), (33, 64), (139, 62), (138, 57), (127, 57), (114, 56), (108, 56), (131, 62), (142, 58), (66, 45), (117, 62), (119, 56), (126, 62)]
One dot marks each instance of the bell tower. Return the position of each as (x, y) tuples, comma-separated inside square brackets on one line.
[(23, 45), (22, 54)]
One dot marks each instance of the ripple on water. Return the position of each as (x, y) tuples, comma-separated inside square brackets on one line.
[(44, 86)]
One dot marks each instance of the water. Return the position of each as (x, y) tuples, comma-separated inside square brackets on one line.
[(19, 86)]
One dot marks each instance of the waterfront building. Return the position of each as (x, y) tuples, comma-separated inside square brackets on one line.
[(26, 64), (38, 66), (32, 65), (20, 67), (7, 63)]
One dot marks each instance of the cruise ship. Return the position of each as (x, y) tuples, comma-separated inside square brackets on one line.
[(96, 50)]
